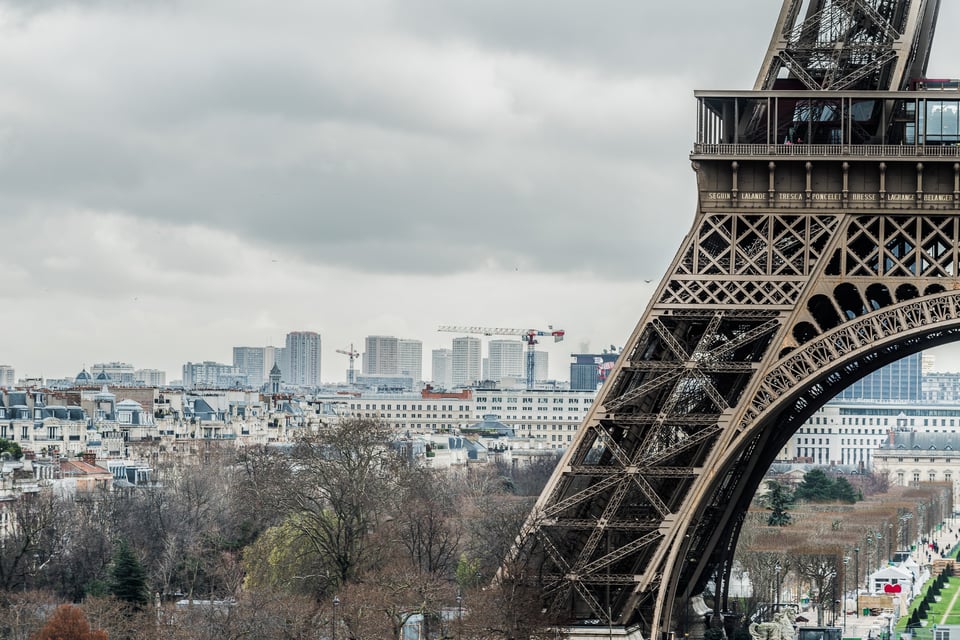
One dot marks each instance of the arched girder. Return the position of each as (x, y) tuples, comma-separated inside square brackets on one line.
[(912, 326)]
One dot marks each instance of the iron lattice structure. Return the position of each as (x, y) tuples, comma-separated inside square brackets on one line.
[(809, 264), (850, 44)]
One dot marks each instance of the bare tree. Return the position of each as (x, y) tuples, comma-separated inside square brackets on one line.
[(336, 483), (34, 537), (493, 523), (426, 523), (22, 613), (821, 568)]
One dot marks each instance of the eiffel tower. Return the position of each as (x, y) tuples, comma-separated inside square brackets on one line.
[(824, 246)]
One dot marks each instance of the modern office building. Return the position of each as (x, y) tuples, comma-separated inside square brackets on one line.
[(466, 361), (303, 355), (900, 381), (442, 368), (381, 356), (410, 358), (895, 399), (506, 360)]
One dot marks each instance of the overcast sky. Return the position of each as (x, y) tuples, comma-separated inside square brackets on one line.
[(178, 177)]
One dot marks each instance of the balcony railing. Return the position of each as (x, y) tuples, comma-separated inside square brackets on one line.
[(827, 150)]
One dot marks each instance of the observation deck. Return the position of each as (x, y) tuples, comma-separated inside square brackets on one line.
[(777, 149), (828, 124)]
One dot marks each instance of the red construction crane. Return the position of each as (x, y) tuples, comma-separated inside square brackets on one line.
[(352, 355), (527, 335)]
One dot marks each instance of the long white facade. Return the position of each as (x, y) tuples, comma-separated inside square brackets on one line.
[(548, 416), (848, 433)]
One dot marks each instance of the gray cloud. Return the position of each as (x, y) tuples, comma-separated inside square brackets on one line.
[(215, 151), (388, 147)]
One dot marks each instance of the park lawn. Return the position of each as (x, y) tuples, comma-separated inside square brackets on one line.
[(937, 609)]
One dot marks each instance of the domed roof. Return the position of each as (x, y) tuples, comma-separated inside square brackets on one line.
[(83, 377), (103, 377)]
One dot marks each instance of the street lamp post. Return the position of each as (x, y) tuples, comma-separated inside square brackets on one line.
[(869, 545), (856, 577), (459, 613), (843, 598), (879, 537), (336, 606), (889, 542), (776, 605)]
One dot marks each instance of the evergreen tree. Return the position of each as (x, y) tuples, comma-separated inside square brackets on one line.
[(128, 581), (778, 500), (816, 487), (844, 491)]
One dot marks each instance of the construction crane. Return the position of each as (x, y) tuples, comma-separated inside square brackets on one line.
[(352, 355), (527, 335)]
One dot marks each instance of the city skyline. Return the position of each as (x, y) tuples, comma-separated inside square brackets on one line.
[(227, 173)]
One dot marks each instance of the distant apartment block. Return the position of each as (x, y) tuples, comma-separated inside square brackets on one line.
[(150, 377), (410, 358), (442, 368), (250, 361), (506, 360), (212, 375), (466, 361), (116, 372), (541, 366), (302, 352), (381, 356), (7, 376)]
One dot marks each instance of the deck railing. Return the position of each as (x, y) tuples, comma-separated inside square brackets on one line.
[(828, 150)]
